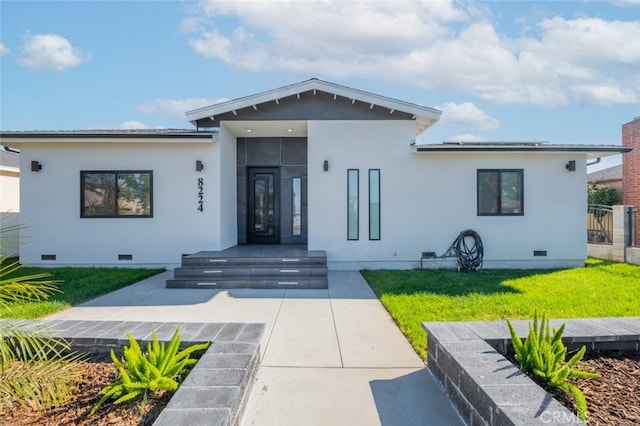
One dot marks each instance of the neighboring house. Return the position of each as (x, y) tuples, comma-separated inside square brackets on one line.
[(631, 171), (9, 199), (314, 163), (9, 181), (610, 177)]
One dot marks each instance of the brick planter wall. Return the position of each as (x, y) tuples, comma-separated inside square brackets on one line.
[(488, 390), (217, 388)]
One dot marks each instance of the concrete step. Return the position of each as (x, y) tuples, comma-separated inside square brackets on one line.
[(308, 283), (200, 261), (252, 267), (256, 271)]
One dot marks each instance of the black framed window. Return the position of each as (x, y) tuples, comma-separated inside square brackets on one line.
[(353, 203), (296, 206), (374, 204), (500, 192), (116, 194)]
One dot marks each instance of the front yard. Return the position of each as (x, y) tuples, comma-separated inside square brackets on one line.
[(601, 289), (76, 285)]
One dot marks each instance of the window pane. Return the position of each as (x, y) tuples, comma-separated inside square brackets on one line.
[(374, 204), (98, 194), (116, 194), (511, 192), (352, 204), (297, 206), (134, 194), (488, 191)]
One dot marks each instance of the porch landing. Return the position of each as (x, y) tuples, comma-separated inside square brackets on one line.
[(253, 266)]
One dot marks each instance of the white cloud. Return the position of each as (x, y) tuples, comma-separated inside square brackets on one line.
[(344, 36), (438, 45), (466, 116), (465, 137), (132, 125), (605, 93), (627, 2), (190, 25), (127, 125), (51, 51), (4, 49), (176, 107)]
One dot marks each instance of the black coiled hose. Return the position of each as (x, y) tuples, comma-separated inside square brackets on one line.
[(468, 249)]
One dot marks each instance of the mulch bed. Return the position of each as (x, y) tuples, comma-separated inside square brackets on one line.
[(99, 371), (612, 399)]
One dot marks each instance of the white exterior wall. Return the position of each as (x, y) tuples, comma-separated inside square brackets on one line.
[(427, 199), (50, 204), (228, 191)]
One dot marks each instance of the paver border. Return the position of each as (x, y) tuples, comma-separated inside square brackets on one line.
[(215, 391), (487, 389)]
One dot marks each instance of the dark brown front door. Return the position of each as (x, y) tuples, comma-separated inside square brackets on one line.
[(264, 206)]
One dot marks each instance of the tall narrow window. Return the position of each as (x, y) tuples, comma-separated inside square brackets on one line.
[(297, 206), (374, 204), (352, 204), (500, 192), (116, 194)]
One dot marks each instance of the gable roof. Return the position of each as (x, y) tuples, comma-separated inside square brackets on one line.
[(605, 175), (9, 160), (314, 99)]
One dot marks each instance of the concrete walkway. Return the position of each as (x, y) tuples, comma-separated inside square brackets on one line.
[(329, 357)]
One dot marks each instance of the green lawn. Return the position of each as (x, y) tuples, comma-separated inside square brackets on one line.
[(77, 285), (601, 289)]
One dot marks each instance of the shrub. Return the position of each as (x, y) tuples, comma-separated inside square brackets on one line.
[(36, 371), (601, 195)]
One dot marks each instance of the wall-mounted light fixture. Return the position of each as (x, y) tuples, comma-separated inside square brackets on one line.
[(571, 166), (36, 166), (199, 166), (325, 165)]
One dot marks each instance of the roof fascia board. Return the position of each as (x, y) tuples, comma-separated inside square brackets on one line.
[(10, 169), (308, 85), (495, 148), (52, 139)]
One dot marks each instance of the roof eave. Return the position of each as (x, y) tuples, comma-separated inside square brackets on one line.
[(592, 151), (15, 139), (9, 169)]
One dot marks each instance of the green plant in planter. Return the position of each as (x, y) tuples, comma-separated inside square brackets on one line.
[(543, 354), (160, 368)]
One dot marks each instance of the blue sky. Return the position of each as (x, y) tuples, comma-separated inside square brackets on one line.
[(555, 71)]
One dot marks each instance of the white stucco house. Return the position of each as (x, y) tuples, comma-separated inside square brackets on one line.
[(314, 164)]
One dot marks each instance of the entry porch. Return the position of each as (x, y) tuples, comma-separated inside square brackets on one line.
[(253, 266)]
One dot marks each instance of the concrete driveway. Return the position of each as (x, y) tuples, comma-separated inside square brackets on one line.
[(329, 357)]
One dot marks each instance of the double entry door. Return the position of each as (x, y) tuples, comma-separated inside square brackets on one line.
[(263, 203)]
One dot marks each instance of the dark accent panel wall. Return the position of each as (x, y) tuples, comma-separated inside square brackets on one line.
[(290, 155), (263, 152)]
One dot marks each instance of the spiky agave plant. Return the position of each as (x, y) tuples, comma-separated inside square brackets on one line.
[(158, 368), (35, 369), (543, 354)]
